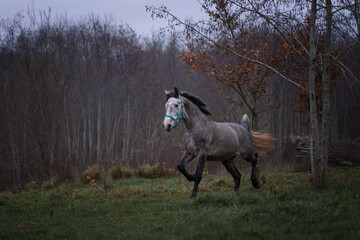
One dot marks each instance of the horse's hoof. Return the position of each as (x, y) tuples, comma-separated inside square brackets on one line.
[(256, 184), (193, 196)]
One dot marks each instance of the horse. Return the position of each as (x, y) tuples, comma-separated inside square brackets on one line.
[(206, 140)]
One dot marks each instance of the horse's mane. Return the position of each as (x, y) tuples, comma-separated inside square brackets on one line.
[(197, 101), (194, 99)]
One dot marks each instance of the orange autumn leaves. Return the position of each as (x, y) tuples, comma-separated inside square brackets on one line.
[(218, 63)]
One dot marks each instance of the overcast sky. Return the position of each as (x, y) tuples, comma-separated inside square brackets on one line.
[(131, 12)]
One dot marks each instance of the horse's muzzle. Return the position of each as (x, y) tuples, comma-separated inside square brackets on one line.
[(167, 124), (167, 127)]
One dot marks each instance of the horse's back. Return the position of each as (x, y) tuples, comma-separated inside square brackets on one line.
[(229, 140), (241, 131)]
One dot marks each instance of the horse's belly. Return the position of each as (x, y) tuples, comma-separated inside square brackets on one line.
[(222, 154), (219, 157)]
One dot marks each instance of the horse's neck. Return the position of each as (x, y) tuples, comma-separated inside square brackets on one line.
[(193, 115)]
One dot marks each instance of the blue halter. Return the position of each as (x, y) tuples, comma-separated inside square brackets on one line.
[(180, 114)]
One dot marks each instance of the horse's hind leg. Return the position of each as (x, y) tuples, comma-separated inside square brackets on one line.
[(231, 168), (254, 179)]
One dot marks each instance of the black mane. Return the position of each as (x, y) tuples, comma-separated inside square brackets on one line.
[(194, 99)]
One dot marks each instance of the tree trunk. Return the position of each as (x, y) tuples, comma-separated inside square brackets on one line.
[(326, 115), (316, 151), (98, 131), (255, 124)]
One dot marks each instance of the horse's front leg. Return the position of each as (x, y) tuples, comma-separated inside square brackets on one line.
[(201, 159), (185, 159)]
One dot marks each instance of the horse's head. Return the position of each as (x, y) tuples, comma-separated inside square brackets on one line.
[(174, 108)]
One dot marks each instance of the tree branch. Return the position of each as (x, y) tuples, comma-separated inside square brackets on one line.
[(189, 26)]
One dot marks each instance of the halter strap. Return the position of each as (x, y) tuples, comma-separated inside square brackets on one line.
[(180, 114)]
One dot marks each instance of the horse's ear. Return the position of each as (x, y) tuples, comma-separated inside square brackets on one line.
[(176, 91), (167, 92)]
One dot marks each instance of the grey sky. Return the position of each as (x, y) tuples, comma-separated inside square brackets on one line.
[(131, 11)]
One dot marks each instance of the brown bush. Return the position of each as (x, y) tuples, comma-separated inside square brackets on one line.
[(91, 174), (155, 171)]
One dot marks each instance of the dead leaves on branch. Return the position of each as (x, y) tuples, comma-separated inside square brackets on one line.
[(219, 63)]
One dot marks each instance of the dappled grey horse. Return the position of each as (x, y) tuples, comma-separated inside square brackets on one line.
[(207, 140)]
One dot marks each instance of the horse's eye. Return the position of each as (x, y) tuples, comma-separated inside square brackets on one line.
[(176, 105)]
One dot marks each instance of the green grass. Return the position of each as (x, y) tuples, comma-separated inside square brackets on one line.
[(286, 207)]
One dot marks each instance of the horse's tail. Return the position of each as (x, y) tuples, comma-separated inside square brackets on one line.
[(245, 122), (262, 142)]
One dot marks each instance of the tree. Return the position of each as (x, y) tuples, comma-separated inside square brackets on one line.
[(248, 79)]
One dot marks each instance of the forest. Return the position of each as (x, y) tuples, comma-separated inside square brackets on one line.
[(74, 93)]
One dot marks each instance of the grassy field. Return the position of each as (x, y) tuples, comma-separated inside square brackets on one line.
[(285, 207)]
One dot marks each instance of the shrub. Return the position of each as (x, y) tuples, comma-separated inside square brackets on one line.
[(127, 172), (155, 171), (31, 185), (91, 174), (121, 172), (108, 183), (116, 172), (51, 183)]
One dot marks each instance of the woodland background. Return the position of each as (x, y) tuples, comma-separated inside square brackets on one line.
[(76, 93)]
